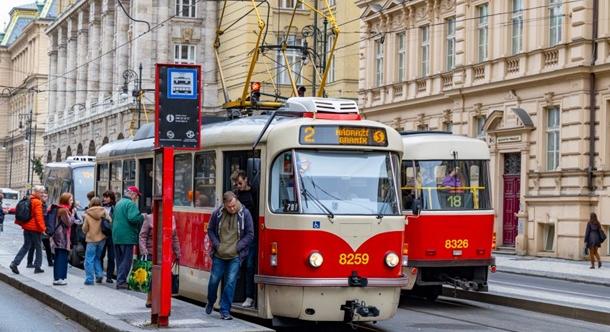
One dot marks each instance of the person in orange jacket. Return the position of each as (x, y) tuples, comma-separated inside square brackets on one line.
[(32, 232)]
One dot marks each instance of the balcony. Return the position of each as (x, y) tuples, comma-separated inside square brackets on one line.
[(447, 80), (511, 65), (551, 57), (421, 85), (478, 72)]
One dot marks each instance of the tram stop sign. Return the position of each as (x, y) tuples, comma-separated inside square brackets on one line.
[(178, 106)]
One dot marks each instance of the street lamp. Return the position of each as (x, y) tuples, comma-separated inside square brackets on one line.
[(10, 172), (28, 117), (129, 76)]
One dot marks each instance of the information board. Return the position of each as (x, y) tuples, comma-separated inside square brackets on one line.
[(342, 135)]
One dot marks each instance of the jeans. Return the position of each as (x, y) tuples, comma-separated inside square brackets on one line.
[(250, 265), (110, 264), (30, 239), (60, 268), (124, 258), (93, 264), (226, 270)]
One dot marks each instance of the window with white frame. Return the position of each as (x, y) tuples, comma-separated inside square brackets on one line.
[(186, 8), (378, 62), (555, 21), (291, 3), (450, 56), (552, 138), (401, 56), (517, 28), (479, 130), (295, 62), (424, 32), (184, 53), (331, 71), (483, 31)]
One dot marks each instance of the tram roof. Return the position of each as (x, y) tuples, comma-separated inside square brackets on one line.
[(73, 164), (440, 146)]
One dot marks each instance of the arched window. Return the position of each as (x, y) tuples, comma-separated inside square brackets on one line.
[(120, 136), (68, 152), (79, 150), (49, 157), (58, 155), (91, 151), (105, 141)]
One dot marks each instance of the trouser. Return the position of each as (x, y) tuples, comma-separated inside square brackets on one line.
[(30, 239), (250, 264), (110, 265), (593, 253), (47, 249), (226, 270), (93, 264), (60, 268), (124, 258)]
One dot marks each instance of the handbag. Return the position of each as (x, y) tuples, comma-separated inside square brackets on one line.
[(586, 251), (140, 275), (602, 236), (175, 278), (106, 227)]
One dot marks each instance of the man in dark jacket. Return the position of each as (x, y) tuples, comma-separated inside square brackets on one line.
[(230, 232), (248, 198)]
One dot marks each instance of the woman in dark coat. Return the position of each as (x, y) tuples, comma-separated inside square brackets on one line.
[(593, 239)]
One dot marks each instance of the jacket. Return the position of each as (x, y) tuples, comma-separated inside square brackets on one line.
[(61, 238), (146, 237), (592, 236), (244, 228), (127, 221), (92, 226), (36, 223)]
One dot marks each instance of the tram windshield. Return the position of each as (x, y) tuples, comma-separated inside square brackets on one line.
[(334, 182), (446, 184), (83, 183)]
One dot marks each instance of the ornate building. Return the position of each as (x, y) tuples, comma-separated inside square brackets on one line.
[(95, 54), (521, 75), (23, 94)]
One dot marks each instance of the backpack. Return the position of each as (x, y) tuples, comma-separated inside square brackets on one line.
[(23, 211), (50, 220)]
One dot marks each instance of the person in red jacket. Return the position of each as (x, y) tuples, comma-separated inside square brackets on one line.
[(32, 232)]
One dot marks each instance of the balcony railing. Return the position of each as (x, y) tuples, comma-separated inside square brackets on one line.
[(511, 65), (551, 57), (478, 72)]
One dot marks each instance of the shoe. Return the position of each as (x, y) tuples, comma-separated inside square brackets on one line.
[(122, 286), (38, 270), (209, 308), (599, 265), (89, 283), (109, 281), (57, 282), (148, 305), (226, 317), (63, 282), (249, 302), (592, 267), (14, 268), (29, 266), (98, 280)]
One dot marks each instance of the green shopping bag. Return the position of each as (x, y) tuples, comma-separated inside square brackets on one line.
[(140, 275)]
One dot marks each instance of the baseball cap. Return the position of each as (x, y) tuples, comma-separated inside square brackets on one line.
[(134, 190)]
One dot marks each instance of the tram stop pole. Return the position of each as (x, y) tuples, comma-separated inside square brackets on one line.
[(162, 237)]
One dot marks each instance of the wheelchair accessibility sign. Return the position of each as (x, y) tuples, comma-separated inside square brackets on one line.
[(181, 83)]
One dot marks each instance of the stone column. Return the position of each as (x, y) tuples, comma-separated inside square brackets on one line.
[(107, 45), (93, 53), (122, 52), (61, 70), (70, 67), (81, 60), (52, 108), (163, 34)]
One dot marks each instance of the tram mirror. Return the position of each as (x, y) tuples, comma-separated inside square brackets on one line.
[(253, 171), (416, 206)]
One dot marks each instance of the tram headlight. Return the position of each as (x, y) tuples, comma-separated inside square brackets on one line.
[(391, 259), (316, 259)]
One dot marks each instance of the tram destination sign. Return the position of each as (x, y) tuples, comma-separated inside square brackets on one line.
[(342, 135), (178, 106)]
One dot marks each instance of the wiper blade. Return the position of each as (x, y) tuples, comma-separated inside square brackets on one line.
[(321, 205), (386, 200)]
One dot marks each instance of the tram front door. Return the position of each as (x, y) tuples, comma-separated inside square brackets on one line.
[(145, 183)]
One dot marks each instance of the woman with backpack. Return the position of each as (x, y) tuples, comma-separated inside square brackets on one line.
[(61, 239), (594, 236), (95, 238)]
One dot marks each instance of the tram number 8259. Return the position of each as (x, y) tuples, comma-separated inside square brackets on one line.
[(353, 259)]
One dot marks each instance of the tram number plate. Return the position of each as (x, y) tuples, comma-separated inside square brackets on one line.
[(353, 259), (456, 244)]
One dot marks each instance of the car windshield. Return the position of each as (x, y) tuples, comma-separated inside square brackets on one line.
[(351, 183), (83, 183), (11, 196)]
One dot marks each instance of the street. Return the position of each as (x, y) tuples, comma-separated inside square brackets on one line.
[(19, 312)]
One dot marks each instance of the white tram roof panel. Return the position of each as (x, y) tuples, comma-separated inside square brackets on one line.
[(440, 146)]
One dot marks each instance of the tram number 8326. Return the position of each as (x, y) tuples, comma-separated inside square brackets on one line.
[(456, 244)]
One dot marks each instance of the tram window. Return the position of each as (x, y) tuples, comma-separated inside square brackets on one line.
[(129, 173), (205, 179), (116, 180), (103, 176), (283, 191), (183, 180), (408, 184)]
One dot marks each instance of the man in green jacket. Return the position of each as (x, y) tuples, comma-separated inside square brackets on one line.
[(126, 224)]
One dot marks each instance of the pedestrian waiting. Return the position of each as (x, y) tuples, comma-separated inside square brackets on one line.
[(60, 241), (29, 216), (108, 202), (594, 237), (95, 238), (127, 221), (45, 237)]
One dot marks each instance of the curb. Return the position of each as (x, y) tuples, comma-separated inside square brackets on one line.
[(589, 315), (558, 276), (78, 311)]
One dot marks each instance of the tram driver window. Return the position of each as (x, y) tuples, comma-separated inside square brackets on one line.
[(205, 179), (183, 180), (283, 191), (408, 185)]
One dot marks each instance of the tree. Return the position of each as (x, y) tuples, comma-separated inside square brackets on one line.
[(38, 167)]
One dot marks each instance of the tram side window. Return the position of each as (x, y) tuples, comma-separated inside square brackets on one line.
[(129, 173), (283, 187), (183, 180), (116, 180), (103, 176), (408, 185), (205, 179)]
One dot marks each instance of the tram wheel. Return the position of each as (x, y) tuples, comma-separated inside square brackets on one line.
[(433, 292)]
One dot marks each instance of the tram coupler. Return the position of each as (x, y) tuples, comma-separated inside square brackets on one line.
[(463, 284), (355, 307), (356, 281)]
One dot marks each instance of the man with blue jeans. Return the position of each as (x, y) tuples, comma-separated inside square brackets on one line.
[(230, 231), (93, 265)]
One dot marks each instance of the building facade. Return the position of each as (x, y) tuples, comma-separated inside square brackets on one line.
[(308, 31), (520, 74), (23, 95), (95, 54)]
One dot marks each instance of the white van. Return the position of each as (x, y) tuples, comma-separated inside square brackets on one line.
[(11, 197)]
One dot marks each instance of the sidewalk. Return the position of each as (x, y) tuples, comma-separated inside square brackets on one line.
[(102, 307), (554, 268)]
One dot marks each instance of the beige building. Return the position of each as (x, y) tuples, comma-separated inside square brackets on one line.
[(520, 74), (94, 58), (307, 32), (23, 96)]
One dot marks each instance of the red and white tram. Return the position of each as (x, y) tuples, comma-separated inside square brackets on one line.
[(330, 229), (446, 195)]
